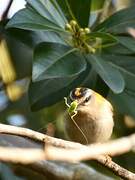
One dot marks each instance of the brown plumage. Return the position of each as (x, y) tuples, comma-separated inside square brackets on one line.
[(94, 117)]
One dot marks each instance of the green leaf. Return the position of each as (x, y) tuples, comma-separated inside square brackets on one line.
[(32, 38), (40, 91), (48, 10), (65, 8), (48, 92), (111, 76), (78, 10), (97, 5), (81, 11), (57, 6), (106, 38), (119, 21), (53, 60), (125, 102), (29, 19), (122, 28), (126, 64), (128, 42), (117, 49)]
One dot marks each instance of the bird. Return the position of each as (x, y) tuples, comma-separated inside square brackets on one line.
[(89, 118)]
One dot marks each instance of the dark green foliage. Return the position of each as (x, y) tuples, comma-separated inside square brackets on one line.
[(62, 58)]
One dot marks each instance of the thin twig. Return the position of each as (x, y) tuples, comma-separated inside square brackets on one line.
[(116, 169), (131, 31), (105, 10), (5, 13)]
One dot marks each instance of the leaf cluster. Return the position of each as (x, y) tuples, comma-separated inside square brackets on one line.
[(69, 51)]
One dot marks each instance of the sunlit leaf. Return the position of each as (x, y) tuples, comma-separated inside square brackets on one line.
[(52, 60), (29, 19), (47, 10), (125, 64), (119, 21), (108, 73)]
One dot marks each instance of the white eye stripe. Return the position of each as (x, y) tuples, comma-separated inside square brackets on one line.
[(88, 93), (87, 97)]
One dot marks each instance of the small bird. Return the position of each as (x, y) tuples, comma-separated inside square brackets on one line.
[(91, 119)]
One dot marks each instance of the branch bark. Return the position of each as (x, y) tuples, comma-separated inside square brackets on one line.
[(112, 148), (72, 152), (48, 169), (21, 155), (19, 131), (5, 13)]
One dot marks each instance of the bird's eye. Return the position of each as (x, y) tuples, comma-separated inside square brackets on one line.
[(87, 99)]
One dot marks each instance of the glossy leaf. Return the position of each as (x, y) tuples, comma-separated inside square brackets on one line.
[(117, 49), (126, 64), (78, 10), (81, 11), (125, 102), (128, 42), (48, 10), (29, 19), (119, 21), (108, 73), (32, 38), (48, 92), (65, 8), (41, 90), (52, 60), (106, 38), (61, 12)]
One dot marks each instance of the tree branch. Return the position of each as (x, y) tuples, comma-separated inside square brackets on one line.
[(116, 169), (5, 13), (48, 169), (74, 152), (112, 148), (8, 129), (21, 155)]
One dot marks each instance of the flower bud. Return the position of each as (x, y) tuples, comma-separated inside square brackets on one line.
[(73, 23), (87, 30), (68, 27)]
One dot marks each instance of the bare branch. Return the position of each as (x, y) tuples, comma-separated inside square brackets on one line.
[(70, 151), (112, 148), (131, 31), (116, 169), (105, 10), (21, 155), (5, 13), (8, 129)]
